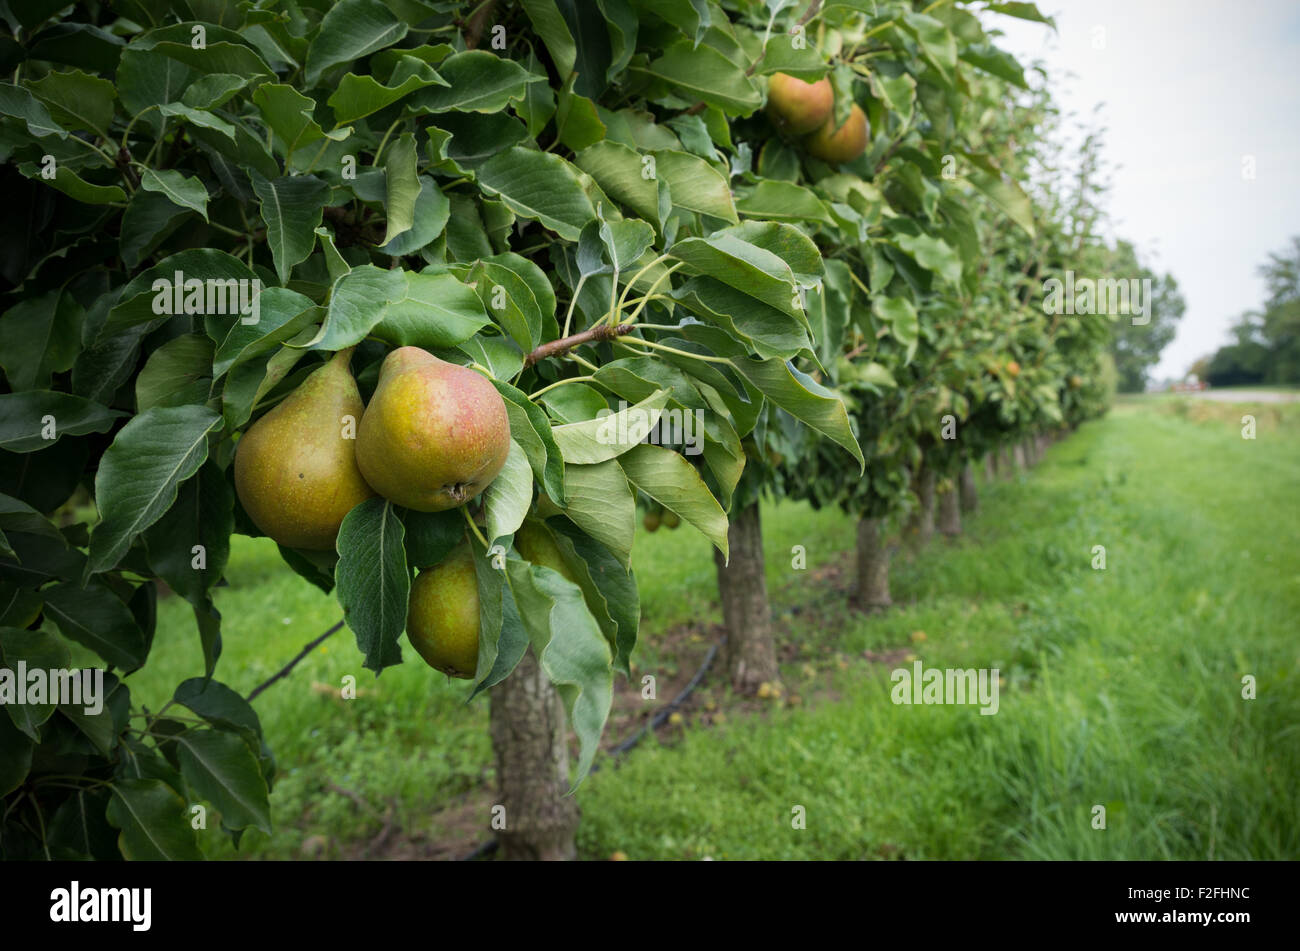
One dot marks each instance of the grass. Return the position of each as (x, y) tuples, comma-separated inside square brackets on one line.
[(1122, 687)]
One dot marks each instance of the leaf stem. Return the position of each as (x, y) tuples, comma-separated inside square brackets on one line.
[(474, 528), (667, 349), (558, 383)]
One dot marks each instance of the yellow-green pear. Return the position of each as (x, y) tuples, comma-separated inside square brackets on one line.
[(295, 468), (536, 543), (842, 144), (434, 435), (797, 106), (442, 620)]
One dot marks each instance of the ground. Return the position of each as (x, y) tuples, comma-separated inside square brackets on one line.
[(1121, 688)]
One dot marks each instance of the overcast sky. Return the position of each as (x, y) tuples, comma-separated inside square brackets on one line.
[(1189, 89)]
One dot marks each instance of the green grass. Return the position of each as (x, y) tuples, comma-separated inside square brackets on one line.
[(1122, 687)]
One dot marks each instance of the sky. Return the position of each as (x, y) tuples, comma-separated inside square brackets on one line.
[(1190, 92)]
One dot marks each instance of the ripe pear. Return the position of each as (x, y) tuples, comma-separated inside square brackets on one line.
[(442, 618), (535, 542), (796, 106), (839, 145), (434, 435), (295, 468)]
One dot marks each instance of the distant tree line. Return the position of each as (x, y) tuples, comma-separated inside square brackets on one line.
[(1266, 344)]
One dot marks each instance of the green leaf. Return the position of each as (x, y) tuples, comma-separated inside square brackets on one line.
[(539, 186), (755, 271), (288, 113), (932, 254), (993, 60), (222, 769), (705, 74), (783, 201), (902, 319), (145, 224), (477, 81), (350, 30), (186, 192), (530, 427), (282, 314), (18, 102), (510, 495), (372, 579), (136, 304), (403, 184), (77, 100), (224, 51), (15, 756), (795, 392), (219, 705), (213, 91), (139, 474), (577, 123), (571, 649), (601, 504), (695, 184), (612, 434), (549, 24), (673, 482), (203, 517), (291, 207), (358, 96), (430, 536), (39, 336), (622, 174), (402, 307), (36, 419), (432, 209), (154, 821), (177, 373), (74, 186), (38, 650), (768, 332), (96, 618), (1007, 196)]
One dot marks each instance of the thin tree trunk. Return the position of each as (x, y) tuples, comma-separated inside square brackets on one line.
[(1043, 441), (529, 738), (742, 585), (1018, 452), (970, 500), (991, 466), (873, 565), (949, 513), (921, 525)]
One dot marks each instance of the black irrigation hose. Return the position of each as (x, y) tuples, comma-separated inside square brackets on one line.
[(492, 845)]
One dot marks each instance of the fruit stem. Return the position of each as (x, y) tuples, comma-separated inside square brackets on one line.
[(474, 528), (343, 357)]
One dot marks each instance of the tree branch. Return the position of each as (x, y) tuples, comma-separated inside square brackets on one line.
[(562, 346), (284, 671)]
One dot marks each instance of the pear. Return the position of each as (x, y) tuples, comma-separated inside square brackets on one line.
[(842, 144), (434, 435), (295, 468), (536, 543), (651, 521), (442, 619), (796, 106)]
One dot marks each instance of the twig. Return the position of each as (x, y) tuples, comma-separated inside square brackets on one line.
[(562, 346), (284, 671)]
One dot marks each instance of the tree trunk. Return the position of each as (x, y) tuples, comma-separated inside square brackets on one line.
[(1018, 452), (742, 586), (873, 565), (991, 466), (949, 513), (529, 738), (970, 500), (921, 525), (1043, 441)]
